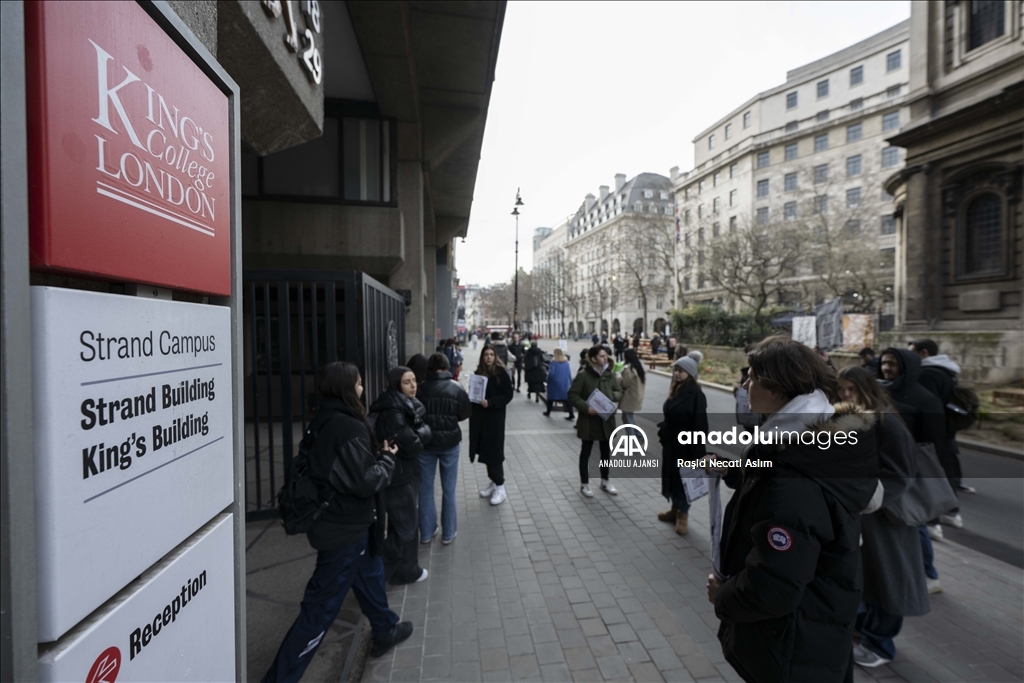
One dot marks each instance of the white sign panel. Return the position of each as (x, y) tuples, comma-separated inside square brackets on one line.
[(804, 330), (176, 623), (133, 439)]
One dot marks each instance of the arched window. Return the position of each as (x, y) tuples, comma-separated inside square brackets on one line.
[(983, 235)]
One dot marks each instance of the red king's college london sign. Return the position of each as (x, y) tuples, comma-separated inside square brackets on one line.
[(128, 151)]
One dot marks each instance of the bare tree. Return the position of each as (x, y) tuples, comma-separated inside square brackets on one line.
[(645, 253)]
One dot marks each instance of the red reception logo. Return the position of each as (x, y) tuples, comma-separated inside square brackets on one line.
[(106, 666)]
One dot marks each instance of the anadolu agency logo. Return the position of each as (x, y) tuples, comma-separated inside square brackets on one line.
[(629, 443)]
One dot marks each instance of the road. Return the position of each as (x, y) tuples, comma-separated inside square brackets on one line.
[(993, 517)]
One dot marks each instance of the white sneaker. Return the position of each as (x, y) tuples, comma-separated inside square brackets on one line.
[(964, 488), (449, 541), (935, 531), (866, 658), (607, 487), (423, 577), (934, 586), (499, 495), (954, 520), (489, 491), (585, 490)]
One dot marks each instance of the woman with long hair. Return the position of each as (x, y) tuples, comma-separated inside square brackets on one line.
[(351, 470), (591, 427), (487, 423), (894, 584), (685, 409), (790, 553), (634, 382), (398, 415), (559, 379)]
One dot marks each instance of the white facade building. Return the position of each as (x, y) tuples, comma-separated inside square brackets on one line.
[(813, 151)]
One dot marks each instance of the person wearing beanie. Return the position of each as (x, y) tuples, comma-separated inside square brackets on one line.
[(685, 409)]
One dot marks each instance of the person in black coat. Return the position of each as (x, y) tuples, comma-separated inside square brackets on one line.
[(351, 470), (685, 409), (517, 350), (536, 367), (447, 405), (487, 423), (790, 549), (398, 416)]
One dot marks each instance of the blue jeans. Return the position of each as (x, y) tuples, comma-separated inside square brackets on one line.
[(336, 571), (877, 629), (928, 552), (449, 463), (629, 418)]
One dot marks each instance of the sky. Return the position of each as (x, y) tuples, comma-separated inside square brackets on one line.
[(583, 91)]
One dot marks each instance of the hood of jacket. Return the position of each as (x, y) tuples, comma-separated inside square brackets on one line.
[(910, 370), (534, 350), (435, 376), (396, 400), (848, 471), (941, 361)]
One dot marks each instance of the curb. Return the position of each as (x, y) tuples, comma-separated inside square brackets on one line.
[(713, 385), (358, 654)]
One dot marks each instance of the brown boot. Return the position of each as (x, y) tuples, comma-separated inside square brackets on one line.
[(668, 516), (682, 523)]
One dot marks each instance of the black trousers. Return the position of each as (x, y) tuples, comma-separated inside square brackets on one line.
[(519, 375), (401, 547), (585, 449), (496, 472)]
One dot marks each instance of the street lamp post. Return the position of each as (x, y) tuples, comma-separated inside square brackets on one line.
[(515, 294)]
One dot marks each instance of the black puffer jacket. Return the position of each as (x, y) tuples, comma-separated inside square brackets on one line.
[(397, 416), (792, 558), (687, 411), (447, 404), (343, 463)]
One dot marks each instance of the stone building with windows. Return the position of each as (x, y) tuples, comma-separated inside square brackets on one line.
[(960, 249), (806, 158), (608, 267)]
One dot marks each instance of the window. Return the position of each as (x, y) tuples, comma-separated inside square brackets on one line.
[(821, 204), (711, 141), (852, 228), (648, 194), (762, 215), (857, 104), (987, 22), (664, 195), (820, 174), (821, 142), (687, 260), (638, 207), (686, 217), (892, 61), (716, 205), (892, 92), (728, 131), (890, 157), (732, 197), (762, 188), (790, 182), (789, 211), (854, 167), (853, 197), (983, 236), (856, 75), (715, 229), (732, 171), (686, 283), (791, 100), (700, 211), (653, 208), (822, 115), (854, 132), (888, 225), (792, 126), (763, 159), (891, 121), (700, 236), (791, 151), (700, 187), (823, 88), (668, 210), (686, 240), (700, 281), (732, 223), (714, 179)]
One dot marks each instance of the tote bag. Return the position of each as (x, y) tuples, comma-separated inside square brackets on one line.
[(929, 496)]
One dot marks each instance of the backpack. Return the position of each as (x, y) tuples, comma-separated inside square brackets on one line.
[(962, 408), (299, 499)]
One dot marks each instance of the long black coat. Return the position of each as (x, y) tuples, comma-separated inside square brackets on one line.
[(792, 557), (487, 425), (536, 366), (397, 416), (686, 411)]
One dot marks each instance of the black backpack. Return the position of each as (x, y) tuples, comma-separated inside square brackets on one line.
[(962, 408), (299, 500)]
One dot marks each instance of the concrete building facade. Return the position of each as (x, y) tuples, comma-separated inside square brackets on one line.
[(960, 249), (811, 155)]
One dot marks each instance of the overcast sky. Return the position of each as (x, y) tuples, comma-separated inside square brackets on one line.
[(587, 90)]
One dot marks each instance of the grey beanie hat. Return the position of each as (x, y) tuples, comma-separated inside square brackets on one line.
[(688, 364)]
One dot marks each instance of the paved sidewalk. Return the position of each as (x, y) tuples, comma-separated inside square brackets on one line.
[(555, 587)]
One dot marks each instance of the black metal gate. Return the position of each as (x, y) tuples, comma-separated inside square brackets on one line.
[(295, 322)]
